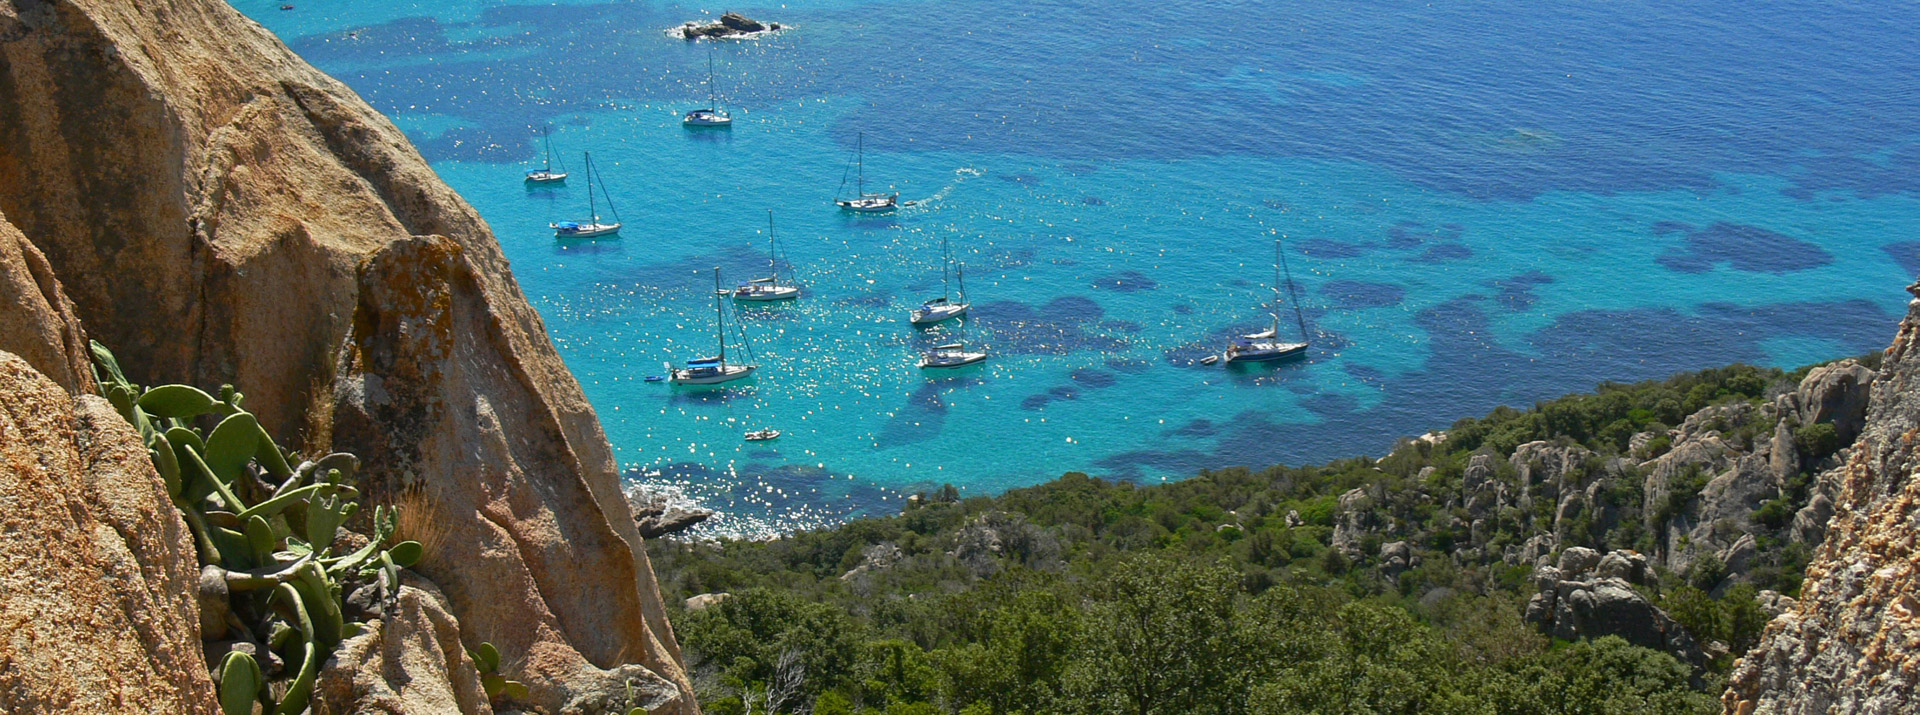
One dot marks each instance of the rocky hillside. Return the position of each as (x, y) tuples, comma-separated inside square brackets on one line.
[(1852, 641), (179, 186), (1672, 517)]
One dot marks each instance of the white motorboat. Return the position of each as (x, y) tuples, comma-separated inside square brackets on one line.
[(934, 310), (862, 201), (1266, 346), (593, 225), (770, 288), (762, 435), (546, 174), (714, 370), (950, 355), (711, 115)]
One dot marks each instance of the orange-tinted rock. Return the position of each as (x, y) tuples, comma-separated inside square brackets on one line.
[(221, 212), (96, 591), (1851, 643), (36, 319)]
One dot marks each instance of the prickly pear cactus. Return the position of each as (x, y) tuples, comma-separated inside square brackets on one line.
[(265, 521)]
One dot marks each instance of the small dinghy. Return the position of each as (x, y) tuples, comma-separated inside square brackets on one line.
[(1210, 359), (656, 378), (763, 435)]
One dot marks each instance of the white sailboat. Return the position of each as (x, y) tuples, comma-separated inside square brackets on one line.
[(1266, 345), (934, 310), (712, 370), (592, 226), (546, 174), (711, 115), (863, 202), (769, 288), (950, 355)]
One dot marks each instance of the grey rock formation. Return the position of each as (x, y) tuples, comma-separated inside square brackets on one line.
[(884, 555), (707, 600), (1846, 645), (1575, 603), (659, 513)]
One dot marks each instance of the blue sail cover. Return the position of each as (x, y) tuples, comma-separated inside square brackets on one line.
[(568, 224), (704, 362)]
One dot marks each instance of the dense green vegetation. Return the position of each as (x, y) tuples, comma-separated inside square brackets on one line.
[(1217, 594)]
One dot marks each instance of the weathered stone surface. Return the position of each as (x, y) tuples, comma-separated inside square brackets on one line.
[(409, 661), (428, 396), (657, 513), (97, 587), (1575, 602), (252, 221), (706, 600), (37, 322), (1851, 643)]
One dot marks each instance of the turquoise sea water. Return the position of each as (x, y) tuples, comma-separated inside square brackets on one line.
[(1482, 204)]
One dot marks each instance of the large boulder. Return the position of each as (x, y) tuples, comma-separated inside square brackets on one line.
[(409, 660), (1579, 603), (97, 593), (249, 220), (1848, 643), (38, 323)]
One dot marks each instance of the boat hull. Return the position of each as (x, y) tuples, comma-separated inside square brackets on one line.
[(541, 177), (928, 363), (585, 230), (766, 296), (716, 376), (704, 119), (1282, 352), (929, 317), (869, 207)]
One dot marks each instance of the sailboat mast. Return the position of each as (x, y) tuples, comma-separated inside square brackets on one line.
[(719, 319), (713, 101), (546, 137), (592, 213), (962, 271), (860, 161), (773, 260), (1291, 295), (946, 259)]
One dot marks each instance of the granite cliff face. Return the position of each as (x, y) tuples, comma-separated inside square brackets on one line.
[(96, 595), (1852, 641), (221, 212)]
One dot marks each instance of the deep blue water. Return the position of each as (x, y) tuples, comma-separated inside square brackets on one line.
[(1483, 203)]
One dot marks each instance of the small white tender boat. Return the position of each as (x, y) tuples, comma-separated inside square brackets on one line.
[(950, 355), (762, 435)]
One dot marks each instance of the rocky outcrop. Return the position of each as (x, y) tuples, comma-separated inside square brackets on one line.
[(249, 220), (1851, 642), (37, 322), (408, 659), (1578, 600), (658, 512), (730, 24), (97, 591)]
